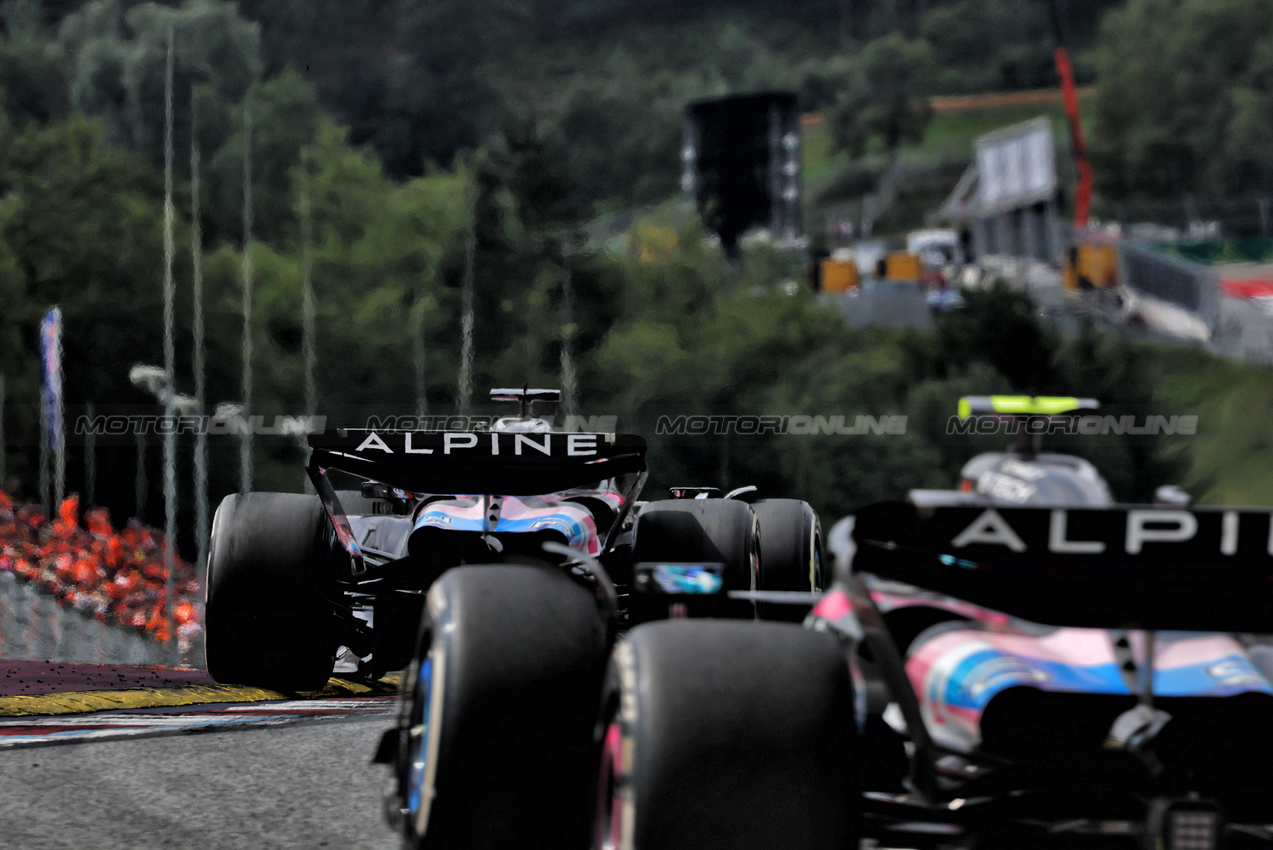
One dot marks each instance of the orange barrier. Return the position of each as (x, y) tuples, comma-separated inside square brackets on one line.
[(1091, 264), (900, 265), (839, 275)]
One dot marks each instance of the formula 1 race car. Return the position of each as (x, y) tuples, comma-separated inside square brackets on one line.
[(294, 577), (528, 553), (983, 675), (1024, 475), (1121, 703)]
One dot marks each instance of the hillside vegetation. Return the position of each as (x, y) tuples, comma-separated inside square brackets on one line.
[(413, 130)]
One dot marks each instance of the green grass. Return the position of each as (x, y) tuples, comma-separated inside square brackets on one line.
[(953, 133), (819, 166), (1230, 459), (950, 135)]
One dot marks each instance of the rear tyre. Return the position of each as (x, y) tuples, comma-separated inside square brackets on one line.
[(699, 530), (728, 736), (271, 583), (502, 705), (790, 553)]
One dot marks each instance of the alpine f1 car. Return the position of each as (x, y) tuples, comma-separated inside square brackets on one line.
[(1062, 676), (528, 553), (1024, 475)]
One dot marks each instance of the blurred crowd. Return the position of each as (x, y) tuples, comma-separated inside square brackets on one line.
[(116, 577)]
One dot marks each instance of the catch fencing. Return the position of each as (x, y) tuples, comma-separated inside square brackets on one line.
[(1151, 272)]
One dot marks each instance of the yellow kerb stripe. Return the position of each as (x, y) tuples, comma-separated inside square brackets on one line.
[(82, 702)]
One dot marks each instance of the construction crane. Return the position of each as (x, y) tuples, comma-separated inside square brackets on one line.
[(1083, 190), (1092, 258)]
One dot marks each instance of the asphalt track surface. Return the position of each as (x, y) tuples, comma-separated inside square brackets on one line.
[(305, 784), (45, 677)]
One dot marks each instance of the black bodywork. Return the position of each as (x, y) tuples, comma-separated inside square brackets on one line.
[(1046, 774), (383, 581)]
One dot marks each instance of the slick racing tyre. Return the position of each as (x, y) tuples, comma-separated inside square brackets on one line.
[(271, 580), (727, 736), (723, 531), (790, 553), (503, 698)]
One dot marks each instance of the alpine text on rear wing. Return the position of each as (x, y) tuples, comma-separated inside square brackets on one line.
[(1127, 567), (505, 463)]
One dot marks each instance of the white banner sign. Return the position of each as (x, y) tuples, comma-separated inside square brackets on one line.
[(1016, 166)]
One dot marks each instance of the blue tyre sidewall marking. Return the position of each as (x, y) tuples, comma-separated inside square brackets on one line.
[(418, 747)]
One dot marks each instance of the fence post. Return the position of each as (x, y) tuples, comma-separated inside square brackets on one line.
[(46, 488), (3, 457), (139, 482), (90, 458)]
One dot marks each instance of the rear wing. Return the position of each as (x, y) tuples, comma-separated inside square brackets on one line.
[(525, 394), (1135, 567), (1023, 405), (479, 462), (525, 397), (487, 463)]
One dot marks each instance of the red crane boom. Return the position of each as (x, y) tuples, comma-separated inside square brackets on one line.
[(1083, 191)]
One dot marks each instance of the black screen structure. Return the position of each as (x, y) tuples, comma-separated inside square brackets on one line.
[(741, 165)]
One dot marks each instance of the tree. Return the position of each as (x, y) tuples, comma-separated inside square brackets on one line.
[(117, 55), (607, 164), (885, 98), (31, 74), (1186, 87), (79, 227), (447, 90), (1019, 55), (285, 119)]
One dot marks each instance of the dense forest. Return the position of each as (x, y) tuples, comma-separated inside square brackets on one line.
[(388, 140), (419, 81)]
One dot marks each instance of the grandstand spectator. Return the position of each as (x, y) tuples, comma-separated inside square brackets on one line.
[(119, 578)]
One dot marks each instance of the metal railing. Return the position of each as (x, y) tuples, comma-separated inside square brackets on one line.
[(1193, 286)]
